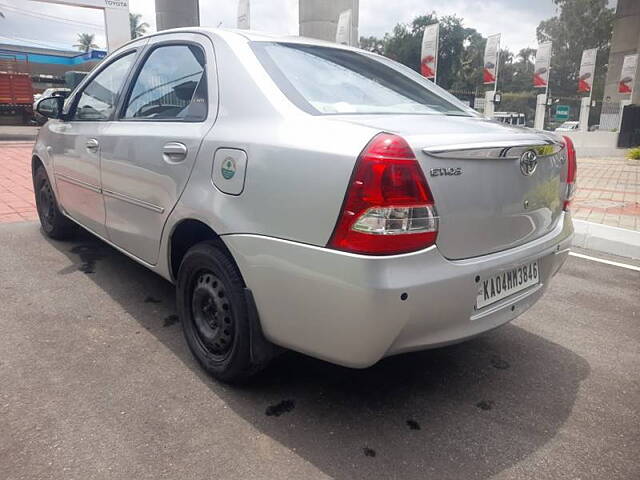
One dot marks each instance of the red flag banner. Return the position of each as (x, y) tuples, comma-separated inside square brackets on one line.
[(587, 70), (490, 68), (429, 55), (628, 74)]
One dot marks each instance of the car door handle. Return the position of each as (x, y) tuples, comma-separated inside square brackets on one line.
[(92, 145), (174, 152)]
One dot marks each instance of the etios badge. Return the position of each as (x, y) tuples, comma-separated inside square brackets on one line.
[(528, 162), (228, 168)]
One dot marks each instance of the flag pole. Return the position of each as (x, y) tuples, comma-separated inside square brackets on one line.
[(495, 84), (435, 73)]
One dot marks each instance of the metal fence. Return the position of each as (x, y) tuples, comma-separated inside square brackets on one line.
[(611, 115), (602, 115)]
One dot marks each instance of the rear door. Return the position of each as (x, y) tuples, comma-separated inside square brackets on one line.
[(148, 154)]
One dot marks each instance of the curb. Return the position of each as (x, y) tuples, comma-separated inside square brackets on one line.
[(18, 138), (603, 238)]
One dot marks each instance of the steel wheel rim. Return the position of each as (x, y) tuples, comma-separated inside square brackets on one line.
[(212, 317), (46, 204)]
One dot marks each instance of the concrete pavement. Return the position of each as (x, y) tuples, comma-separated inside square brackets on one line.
[(608, 192), (96, 382), (17, 202)]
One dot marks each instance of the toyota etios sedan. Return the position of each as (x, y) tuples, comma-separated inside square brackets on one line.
[(305, 195)]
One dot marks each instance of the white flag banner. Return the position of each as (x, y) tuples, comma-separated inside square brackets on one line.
[(490, 69), (343, 34), (628, 74), (543, 63), (587, 70), (429, 54), (244, 15)]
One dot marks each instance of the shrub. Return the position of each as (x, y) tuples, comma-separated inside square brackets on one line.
[(634, 153)]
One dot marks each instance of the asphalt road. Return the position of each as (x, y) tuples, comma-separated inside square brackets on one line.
[(96, 382)]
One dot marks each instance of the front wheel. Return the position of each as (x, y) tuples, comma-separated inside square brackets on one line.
[(214, 313), (54, 224)]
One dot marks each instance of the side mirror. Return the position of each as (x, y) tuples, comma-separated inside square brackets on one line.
[(50, 107)]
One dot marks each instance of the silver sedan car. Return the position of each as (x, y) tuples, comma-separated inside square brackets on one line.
[(305, 195)]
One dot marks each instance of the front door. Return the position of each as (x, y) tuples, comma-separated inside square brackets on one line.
[(75, 145), (148, 154)]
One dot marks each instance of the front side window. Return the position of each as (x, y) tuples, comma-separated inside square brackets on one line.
[(325, 80), (98, 99), (170, 86)]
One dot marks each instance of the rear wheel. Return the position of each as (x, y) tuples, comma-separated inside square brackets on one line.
[(53, 222), (214, 313)]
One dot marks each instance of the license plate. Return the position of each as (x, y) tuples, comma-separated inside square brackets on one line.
[(503, 284)]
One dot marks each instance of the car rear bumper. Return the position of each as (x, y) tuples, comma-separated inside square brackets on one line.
[(349, 309)]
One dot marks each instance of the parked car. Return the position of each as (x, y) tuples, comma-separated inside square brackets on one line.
[(49, 92), (305, 195), (568, 127), (511, 118)]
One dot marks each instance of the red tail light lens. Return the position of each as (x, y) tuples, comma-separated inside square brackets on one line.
[(572, 171), (388, 208)]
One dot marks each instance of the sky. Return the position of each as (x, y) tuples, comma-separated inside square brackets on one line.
[(57, 25)]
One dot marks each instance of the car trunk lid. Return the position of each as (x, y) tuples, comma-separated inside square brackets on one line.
[(495, 187)]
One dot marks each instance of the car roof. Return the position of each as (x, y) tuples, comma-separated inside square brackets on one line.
[(249, 36)]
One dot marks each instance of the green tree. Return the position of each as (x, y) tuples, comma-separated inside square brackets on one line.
[(520, 72), (455, 41), (581, 24), (372, 44), (137, 26), (85, 42), (468, 76), (404, 45)]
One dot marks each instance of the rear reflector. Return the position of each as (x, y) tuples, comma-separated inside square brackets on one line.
[(572, 171), (388, 208)]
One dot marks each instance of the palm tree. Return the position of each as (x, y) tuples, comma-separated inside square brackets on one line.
[(85, 42), (138, 28)]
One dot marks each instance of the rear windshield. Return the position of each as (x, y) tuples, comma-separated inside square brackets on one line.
[(324, 81)]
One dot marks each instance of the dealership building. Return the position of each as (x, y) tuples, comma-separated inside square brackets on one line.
[(46, 66)]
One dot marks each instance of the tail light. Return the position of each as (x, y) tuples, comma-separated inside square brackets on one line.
[(388, 208), (572, 171)]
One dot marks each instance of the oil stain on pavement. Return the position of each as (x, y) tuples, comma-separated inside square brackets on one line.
[(170, 320), (499, 363), (89, 254), (369, 452), (413, 425), (485, 404), (279, 408)]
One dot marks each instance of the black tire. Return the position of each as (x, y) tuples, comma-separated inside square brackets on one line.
[(214, 314), (54, 224)]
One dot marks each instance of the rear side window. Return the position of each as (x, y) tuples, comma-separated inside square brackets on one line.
[(325, 80), (170, 86), (98, 99)]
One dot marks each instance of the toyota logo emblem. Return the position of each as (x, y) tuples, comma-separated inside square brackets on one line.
[(528, 162)]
